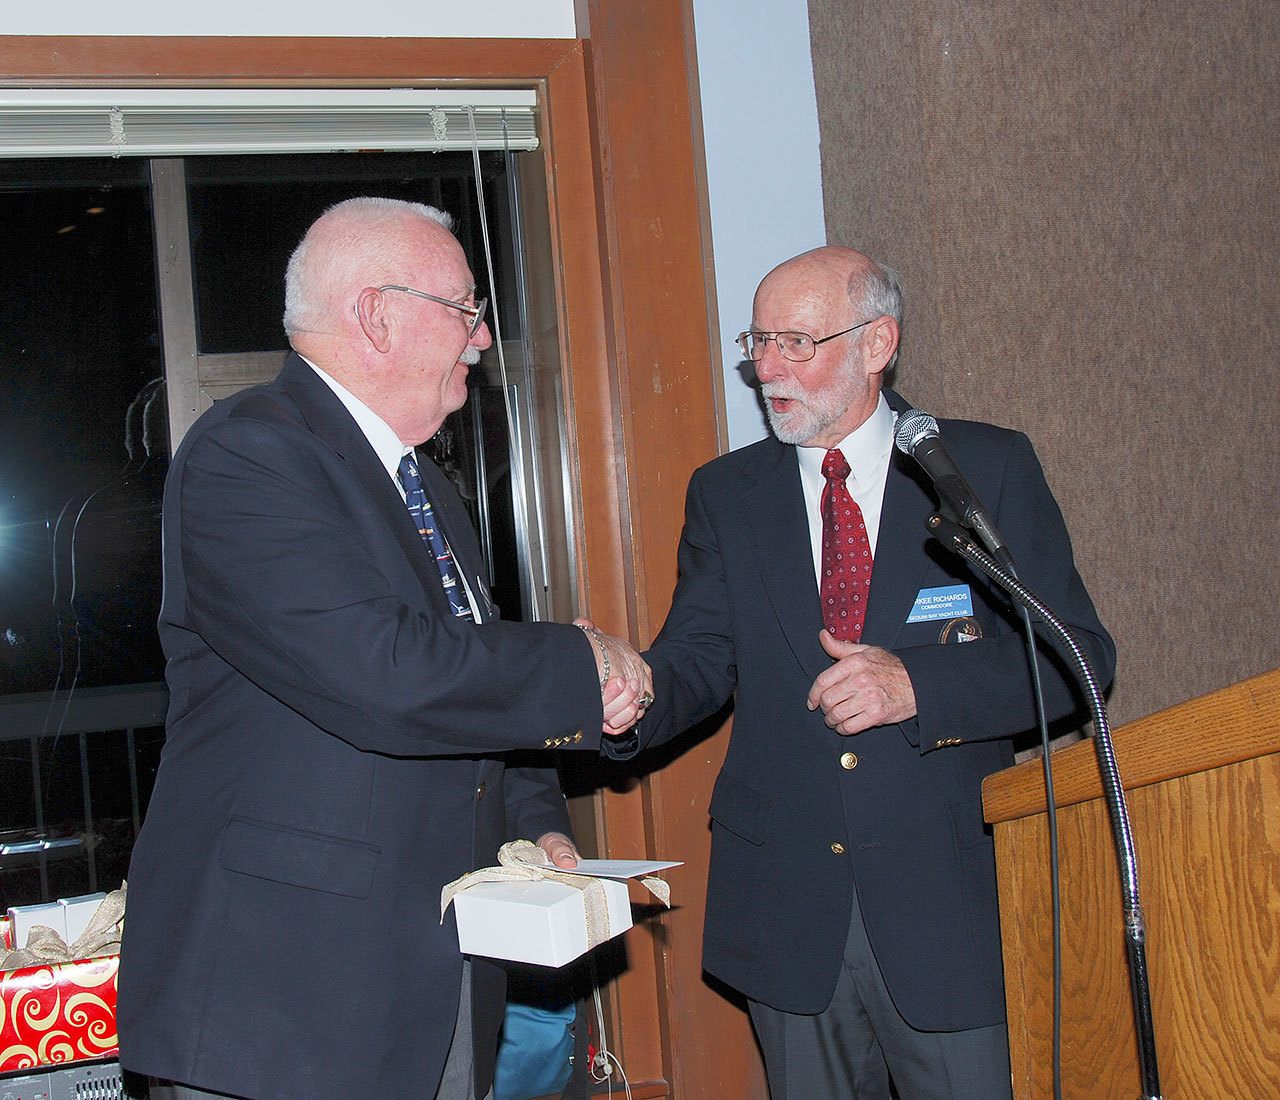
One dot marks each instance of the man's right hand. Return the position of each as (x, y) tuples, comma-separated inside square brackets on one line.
[(626, 687)]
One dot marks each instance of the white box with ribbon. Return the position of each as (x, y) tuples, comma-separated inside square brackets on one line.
[(526, 910), (540, 922)]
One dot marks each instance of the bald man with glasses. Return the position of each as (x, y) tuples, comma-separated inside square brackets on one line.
[(877, 682), (343, 702)]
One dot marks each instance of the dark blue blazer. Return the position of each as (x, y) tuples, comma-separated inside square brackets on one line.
[(793, 829), (333, 759)]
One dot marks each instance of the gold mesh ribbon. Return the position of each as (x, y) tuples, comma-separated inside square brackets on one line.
[(100, 937), (523, 861)]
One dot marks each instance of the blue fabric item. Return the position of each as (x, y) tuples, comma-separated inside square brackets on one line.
[(533, 1058), (425, 518)]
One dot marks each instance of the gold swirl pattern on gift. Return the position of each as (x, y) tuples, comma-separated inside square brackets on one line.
[(18, 1056), (58, 1013), (56, 1046), (90, 1014), (27, 1006)]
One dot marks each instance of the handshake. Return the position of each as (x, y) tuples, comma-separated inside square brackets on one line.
[(626, 682)]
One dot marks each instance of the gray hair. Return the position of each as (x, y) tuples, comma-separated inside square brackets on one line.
[(876, 291), (322, 268)]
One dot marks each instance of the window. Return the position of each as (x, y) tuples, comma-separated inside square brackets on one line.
[(138, 290)]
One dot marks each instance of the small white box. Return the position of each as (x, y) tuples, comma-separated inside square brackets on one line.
[(535, 922), (78, 912), (23, 918)]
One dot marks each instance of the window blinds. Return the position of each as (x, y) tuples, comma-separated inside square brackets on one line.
[(201, 122)]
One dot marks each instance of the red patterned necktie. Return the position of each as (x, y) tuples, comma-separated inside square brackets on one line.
[(846, 554)]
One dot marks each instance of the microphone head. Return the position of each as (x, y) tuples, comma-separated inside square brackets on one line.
[(913, 427)]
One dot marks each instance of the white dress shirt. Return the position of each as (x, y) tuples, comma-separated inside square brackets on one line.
[(866, 449)]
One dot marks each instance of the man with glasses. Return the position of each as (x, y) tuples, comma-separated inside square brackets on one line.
[(342, 698), (877, 681)]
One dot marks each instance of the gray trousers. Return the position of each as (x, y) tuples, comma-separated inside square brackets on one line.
[(458, 1080), (852, 1049)]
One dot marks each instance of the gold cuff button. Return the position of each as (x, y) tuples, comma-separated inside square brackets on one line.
[(838, 848), (848, 761), (480, 791)]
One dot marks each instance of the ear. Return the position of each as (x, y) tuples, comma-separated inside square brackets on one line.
[(879, 344), (374, 318)]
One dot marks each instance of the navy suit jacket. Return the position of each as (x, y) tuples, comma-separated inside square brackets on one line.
[(792, 827), (333, 758)]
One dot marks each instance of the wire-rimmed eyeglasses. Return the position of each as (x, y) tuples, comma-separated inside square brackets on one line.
[(476, 311), (799, 347)]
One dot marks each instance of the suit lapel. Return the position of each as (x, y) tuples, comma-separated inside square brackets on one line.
[(900, 560), (775, 512), (329, 420)]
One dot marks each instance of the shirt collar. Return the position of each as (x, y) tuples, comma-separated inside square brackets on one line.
[(865, 448), (382, 438)]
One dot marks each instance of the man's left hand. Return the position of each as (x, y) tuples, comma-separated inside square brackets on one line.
[(559, 848), (867, 686)]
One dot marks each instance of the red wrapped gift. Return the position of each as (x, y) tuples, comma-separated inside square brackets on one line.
[(57, 1013)]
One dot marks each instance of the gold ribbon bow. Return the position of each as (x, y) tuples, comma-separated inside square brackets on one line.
[(100, 937)]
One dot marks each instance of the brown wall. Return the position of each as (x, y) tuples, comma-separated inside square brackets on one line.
[(1082, 200)]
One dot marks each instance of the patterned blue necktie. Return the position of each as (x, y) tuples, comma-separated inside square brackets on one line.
[(424, 517)]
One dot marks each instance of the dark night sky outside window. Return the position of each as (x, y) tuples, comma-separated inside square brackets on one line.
[(83, 453), (84, 450), (248, 213)]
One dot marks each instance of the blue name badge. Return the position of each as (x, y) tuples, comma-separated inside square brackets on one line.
[(952, 601)]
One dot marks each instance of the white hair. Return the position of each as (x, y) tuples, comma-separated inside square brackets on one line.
[(325, 265)]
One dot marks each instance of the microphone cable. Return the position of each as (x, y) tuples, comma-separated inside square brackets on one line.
[(1051, 810)]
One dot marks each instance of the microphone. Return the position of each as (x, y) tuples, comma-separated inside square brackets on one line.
[(916, 434)]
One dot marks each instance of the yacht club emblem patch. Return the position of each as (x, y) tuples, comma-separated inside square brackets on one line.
[(964, 629)]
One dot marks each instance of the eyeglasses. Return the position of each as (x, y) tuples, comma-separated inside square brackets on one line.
[(476, 311), (799, 347)]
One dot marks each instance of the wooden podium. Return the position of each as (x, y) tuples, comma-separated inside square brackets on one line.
[(1202, 782)]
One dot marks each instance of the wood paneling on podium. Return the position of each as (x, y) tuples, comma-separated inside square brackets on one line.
[(1202, 782)]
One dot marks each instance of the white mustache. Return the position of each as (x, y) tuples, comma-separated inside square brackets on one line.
[(771, 390), (470, 355)]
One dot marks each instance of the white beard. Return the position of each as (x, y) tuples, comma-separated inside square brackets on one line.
[(815, 410)]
